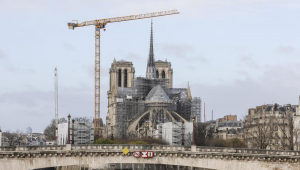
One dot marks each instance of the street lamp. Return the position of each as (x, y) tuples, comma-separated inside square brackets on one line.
[(73, 122), (193, 130), (182, 133), (69, 117)]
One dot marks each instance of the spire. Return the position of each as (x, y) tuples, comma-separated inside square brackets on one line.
[(189, 95), (151, 71)]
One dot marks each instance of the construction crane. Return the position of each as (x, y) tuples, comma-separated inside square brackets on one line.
[(100, 24), (56, 103)]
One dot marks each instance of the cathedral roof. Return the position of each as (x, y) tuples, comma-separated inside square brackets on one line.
[(157, 94), (122, 61)]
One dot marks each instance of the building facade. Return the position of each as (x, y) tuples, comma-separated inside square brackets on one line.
[(228, 118), (270, 127), (229, 129), (136, 105), (296, 134)]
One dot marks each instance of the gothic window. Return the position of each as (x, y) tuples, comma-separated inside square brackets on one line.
[(163, 74), (119, 78), (157, 75), (125, 78)]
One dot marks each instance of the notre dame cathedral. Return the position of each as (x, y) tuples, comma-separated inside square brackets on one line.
[(136, 105)]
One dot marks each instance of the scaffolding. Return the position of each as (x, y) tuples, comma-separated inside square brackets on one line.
[(83, 130), (196, 108), (174, 132), (131, 103)]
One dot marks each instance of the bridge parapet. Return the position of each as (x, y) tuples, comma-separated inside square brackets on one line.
[(33, 148), (33, 157), (173, 148), (247, 151), (131, 147)]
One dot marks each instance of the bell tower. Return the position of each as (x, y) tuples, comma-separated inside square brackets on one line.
[(121, 75)]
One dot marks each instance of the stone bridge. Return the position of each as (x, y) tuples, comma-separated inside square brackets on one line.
[(99, 156)]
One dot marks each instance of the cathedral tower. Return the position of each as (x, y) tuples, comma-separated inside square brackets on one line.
[(121, 75), (151, 71)]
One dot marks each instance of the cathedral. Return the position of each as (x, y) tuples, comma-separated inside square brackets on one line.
[(137, 105)]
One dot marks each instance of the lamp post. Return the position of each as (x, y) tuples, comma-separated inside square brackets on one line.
[(193, 130), (73, 121), (182, 133), (68, 140)]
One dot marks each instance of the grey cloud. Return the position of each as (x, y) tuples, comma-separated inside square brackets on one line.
[(203, 60), (36, 108), (178, 50), (285, 50), (69, 47), (279, 83), (2, 55), (104, 71), (14, 69), (248, 60), (133, 57), (192, 68)]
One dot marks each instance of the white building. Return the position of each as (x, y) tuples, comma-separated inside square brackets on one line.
[(28, 130), (83, 132), (172, 132), (62, 133)]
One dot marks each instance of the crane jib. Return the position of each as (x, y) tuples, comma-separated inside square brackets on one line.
[(124, 18)]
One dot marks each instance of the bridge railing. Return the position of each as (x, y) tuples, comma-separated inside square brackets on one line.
[(247, 151), (131, 147), (119, 147), (111, 147), (268, 152), (33, 148)]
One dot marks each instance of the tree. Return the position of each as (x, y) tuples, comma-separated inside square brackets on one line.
[(285, 123), (14, 138), (49, 131), (259, 130), (200, 134), (235, 143)]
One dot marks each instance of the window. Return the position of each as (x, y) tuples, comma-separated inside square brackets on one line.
[(119, 78), (157, 75), (163, 74), (125, 78)]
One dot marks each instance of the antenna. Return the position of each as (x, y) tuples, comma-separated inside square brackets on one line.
[(56, 103), (212, 115)]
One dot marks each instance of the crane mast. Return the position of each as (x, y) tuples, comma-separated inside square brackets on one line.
[(56, 103), (100, 24)]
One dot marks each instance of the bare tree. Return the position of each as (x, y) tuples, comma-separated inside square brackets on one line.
[(296, 136), (14, 138), (258, 130), (271, 126), (49, 131)]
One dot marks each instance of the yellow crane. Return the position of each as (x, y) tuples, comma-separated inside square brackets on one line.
[(100, 24)]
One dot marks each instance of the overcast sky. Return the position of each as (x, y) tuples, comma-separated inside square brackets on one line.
[(236, 54)]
